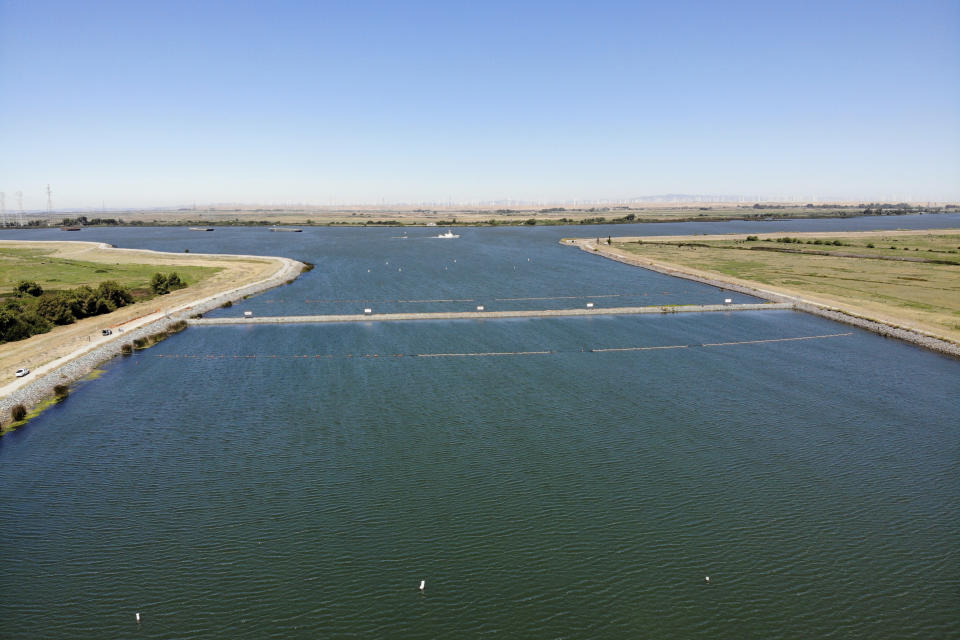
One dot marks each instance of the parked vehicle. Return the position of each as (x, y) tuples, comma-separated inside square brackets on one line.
[(22, 372), (106, 332)]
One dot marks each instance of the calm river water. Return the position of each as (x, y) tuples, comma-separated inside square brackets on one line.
[(299, 481)]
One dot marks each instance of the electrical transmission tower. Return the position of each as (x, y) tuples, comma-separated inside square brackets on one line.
[(3, 208), (19, 195), (49, 201)]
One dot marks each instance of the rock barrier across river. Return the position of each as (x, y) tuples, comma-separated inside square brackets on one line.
[(486, 315)]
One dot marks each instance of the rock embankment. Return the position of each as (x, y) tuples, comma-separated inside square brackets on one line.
[(919, 338), (486, 315), (40, 388)]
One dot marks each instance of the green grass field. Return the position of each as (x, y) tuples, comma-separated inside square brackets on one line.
[(54, 273)]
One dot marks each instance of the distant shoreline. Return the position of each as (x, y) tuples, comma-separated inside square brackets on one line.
[(578, 217), (863, 321)]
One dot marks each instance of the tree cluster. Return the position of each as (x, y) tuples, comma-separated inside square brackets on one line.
[(31, 311), (83, 221), (162, 284)]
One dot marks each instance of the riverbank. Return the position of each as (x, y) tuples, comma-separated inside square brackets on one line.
[(850, 314), (71, 352)]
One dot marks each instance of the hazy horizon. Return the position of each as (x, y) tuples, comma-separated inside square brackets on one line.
[(121, 105)]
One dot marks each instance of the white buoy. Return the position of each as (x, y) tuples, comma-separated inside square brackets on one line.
[(137, 616), (423, 585), (707, 579)]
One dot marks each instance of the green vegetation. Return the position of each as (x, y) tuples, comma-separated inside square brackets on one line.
[(162, 284), (62, 291), (51, 272), (61, 391), (83, 221), (25, 314), (866, 272), (154, 338)]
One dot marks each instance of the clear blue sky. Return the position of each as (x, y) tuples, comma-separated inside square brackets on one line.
[(141, 103)]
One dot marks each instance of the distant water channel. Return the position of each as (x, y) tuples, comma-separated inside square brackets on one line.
[(549, 478)]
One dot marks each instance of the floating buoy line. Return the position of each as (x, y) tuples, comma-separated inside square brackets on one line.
[(489, 354), (438, 300)]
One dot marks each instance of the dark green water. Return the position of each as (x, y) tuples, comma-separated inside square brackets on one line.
[(569, 494)]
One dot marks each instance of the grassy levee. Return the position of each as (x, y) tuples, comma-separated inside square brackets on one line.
[(53, 272), (909, 279), (66, 265)]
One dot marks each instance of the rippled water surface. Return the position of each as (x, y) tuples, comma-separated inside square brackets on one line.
[(551, 478)]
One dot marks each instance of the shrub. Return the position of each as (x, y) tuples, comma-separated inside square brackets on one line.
[(113, 293), (127, 349), (162, 284), (18, 412), (752, 238), (870, 245), (174, 281), (29, 287), (140, 343), (226, 305), (61, 391), (158, 284)]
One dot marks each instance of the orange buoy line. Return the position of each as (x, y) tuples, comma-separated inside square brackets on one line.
[(493, 353), (668, 346), (417, 301), (827, 335)]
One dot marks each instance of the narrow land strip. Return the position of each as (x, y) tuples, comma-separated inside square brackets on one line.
[(486, 315)]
